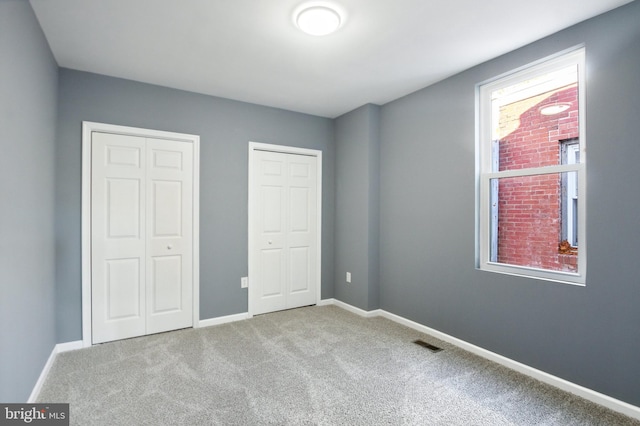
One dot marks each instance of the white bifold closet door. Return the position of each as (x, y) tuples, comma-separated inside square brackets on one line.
[(285, 236), (141, 236)]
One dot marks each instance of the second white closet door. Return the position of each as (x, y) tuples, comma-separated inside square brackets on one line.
[(285, 220)]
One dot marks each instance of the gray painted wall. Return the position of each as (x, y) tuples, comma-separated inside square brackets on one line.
[(357, 172), (225, 128), (28, 90), (587, 335)]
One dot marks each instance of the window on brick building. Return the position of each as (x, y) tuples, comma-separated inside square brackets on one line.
[(570, 154), (531, 171)]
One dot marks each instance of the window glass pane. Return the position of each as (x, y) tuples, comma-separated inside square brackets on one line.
[(533, 221), (531, 119)]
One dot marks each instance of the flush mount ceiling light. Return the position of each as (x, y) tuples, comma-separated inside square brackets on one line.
[(318, 20), (555, 108)]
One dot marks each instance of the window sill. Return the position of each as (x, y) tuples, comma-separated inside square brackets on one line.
[(561, 277)]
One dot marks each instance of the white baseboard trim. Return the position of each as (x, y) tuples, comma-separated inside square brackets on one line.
[(60, 347), (69, 346), (565, 385), (350, 308), (43, 376), (222, 320)]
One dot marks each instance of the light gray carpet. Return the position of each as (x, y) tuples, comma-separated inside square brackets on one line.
[(316, 365)]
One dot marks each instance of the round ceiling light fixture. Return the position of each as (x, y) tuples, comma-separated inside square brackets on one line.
[(318, 20), (555, 108)]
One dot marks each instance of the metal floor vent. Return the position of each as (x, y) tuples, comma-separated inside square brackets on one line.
[(427, 345)]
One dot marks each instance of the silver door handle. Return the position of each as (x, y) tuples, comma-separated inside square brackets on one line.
[(169, 247), (270, 242)]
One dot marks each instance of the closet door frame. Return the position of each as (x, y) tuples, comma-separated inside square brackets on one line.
[(88, 128)]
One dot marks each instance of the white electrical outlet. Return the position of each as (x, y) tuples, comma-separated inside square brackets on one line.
[(244, 282), (348, 277)]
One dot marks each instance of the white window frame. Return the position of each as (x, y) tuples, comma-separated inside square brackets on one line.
[(484, 170)]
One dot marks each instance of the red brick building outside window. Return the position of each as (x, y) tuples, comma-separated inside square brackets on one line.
[(530, 210)]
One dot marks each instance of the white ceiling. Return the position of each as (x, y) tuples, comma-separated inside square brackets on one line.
[(250, 50)]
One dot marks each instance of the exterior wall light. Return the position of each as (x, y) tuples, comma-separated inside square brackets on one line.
[(555, 108)]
